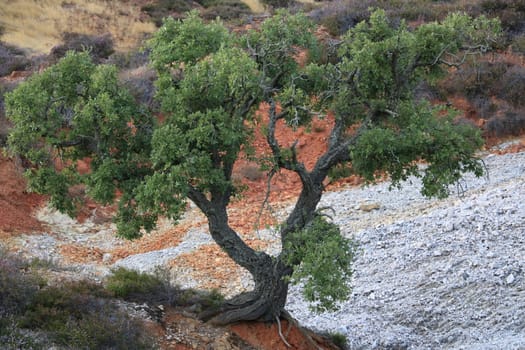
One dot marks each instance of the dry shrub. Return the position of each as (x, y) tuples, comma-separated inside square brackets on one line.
[(140, 82), (100, 47), (159, 9), (512, 86), (512, 123), (251, 172), (225, 9), (340, 15), (12, 59), (510, 12), (474, 79)]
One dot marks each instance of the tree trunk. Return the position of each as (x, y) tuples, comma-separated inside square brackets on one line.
[(267, 300), (265, 303)]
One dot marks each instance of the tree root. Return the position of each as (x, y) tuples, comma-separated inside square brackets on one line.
[(292, 321), (281, 333)]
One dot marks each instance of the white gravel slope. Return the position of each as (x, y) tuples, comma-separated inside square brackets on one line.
[(434, 274)]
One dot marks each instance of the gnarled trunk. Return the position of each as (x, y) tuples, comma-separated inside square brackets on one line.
[(267, 300), (265, 303)]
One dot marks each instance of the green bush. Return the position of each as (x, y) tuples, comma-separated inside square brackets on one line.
[(339, 339), (137, 286)]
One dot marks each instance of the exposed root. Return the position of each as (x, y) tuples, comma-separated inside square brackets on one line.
[(286, 315), (281, 333)]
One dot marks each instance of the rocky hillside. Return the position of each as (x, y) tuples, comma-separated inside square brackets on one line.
[(430, 273)]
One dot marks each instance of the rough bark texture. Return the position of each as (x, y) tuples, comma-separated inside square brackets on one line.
[(265, 303)]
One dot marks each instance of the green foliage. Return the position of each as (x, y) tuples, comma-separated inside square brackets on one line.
[(394, 151), (277, 43), (185, 41), (323, 261), (75, 110)]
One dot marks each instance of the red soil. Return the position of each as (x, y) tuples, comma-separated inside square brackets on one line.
[(17, 206)]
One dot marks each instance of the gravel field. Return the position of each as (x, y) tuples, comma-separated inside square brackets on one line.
[(434, 274)]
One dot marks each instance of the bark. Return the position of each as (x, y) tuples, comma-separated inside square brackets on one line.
[(265, 303), (267, 300)]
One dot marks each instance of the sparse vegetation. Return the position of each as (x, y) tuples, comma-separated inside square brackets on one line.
[(160, 9), (79, 315), (11, 59), (225, 9)]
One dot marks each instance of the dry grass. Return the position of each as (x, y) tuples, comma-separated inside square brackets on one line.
[(255, 5), (37, 25)]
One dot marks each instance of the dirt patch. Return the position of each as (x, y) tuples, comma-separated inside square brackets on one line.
[(16, 204), (163, 238), (266, 336), (74, 253), (181, 330), (213, 268)]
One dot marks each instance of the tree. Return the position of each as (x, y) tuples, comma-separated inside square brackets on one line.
[(210, 82)]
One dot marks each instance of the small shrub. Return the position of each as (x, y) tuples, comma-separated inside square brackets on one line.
[(251, 172), (512, 86), (129, 60), (512, 123), (79, 315), (17, 287), (226, 10), (339, 16), (510, 12), (475, 79), (133, 285), (12, 59), (339, 339), (277, 3), (100, 47), (140, 83), (160, 9), (518, 44)]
